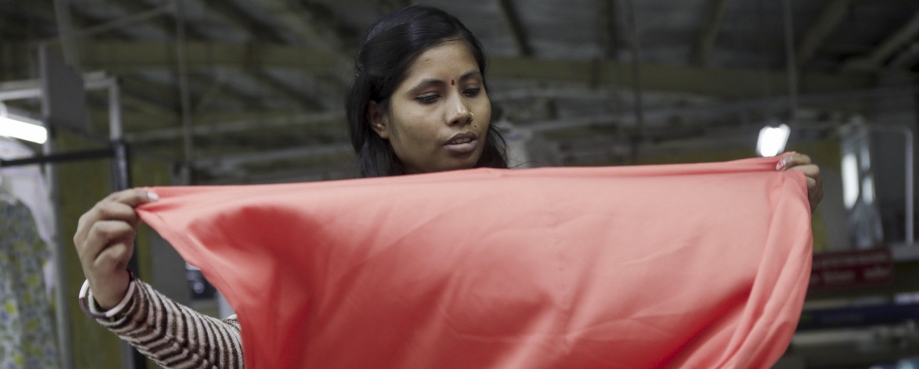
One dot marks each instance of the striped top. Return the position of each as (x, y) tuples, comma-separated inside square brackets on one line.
[(173, 335)]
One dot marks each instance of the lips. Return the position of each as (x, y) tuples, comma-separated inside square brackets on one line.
[(462, 143)]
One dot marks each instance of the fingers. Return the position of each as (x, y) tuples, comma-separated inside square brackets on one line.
[(804, 164), (104, 233), (815, 195), (117, 206), (793, 160), (104, 211), (105, 242), (811, 184), (114, 257), (810, 170), (133, 197), (814, 183)]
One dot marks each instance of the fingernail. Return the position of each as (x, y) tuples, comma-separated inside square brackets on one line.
[(152, 196), (780, 165)]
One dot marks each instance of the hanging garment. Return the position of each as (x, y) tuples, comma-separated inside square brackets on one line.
[(678, 266), (26, 331), (28, 185)]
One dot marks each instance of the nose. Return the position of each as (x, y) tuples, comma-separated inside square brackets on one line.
[(458, 111)]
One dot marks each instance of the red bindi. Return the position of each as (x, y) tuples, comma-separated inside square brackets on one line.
[(452, 82)]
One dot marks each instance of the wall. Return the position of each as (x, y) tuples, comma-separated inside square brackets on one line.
[(80, 186)]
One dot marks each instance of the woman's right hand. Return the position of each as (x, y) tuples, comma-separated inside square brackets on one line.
[(105, 242)]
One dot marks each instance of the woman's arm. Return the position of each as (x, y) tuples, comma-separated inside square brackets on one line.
[(171, 334)]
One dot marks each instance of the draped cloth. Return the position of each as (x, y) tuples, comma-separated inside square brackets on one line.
[(675, 266)]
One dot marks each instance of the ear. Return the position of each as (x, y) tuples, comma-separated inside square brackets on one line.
[(377, 120)]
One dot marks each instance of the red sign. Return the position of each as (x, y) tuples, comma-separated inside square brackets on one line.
[(831, 270)]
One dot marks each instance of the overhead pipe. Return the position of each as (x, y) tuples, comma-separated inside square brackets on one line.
[(790, 62), (636, 82), (187, 124)]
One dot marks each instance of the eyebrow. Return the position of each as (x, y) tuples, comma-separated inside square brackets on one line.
[(436, 82)]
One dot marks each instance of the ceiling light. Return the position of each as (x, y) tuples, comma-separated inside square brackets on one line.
[(849, 180), (772, 140), (22, 129), (868, 190)]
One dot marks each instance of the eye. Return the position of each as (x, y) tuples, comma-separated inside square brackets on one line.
[(427, 99), (472, 92)]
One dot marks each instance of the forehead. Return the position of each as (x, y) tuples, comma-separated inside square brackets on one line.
[(449, 59)]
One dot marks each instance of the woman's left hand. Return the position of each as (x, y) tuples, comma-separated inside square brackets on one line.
[(811, 172)]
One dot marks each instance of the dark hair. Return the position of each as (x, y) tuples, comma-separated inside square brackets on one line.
[(388, 49)]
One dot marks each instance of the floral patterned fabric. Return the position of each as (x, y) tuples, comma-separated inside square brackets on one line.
[(26, 331)]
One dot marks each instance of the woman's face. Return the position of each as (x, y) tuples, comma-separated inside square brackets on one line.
[(439, 115)]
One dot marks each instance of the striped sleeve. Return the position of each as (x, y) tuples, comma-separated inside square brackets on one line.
[(175, 336)]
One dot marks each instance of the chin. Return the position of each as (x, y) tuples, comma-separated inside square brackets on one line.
[(460, 164)]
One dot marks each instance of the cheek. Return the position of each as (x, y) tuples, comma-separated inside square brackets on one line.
[(414, 129), (482, 115)]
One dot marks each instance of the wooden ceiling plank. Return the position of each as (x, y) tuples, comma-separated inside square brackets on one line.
[(262, 32), (232, 14), (716, 82), (829, 19), (893, 43), (512, 22), (705, 44)]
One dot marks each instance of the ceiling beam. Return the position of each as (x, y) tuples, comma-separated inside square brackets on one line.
[(829, 19), (609, 33), (233, 16), (261, 156), (662, 118), (167, 25), (729, 83), (906, 59), (144, 86), (13, 28), (513, 24), (167, 97), (896, 41), (247, 123), (257, 122), (164, 24), (263, 32), (715, 82), (314, 26), (306, 26), (121, 56), (217, 90), (137, 94), (283, 91), (705, 45), (240, 19)]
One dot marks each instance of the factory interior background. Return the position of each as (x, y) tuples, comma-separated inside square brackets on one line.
[(126, 93)]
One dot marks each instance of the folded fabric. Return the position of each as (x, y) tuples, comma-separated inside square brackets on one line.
[(677, 266)]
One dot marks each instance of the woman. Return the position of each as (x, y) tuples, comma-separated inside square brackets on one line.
[(418, 104)]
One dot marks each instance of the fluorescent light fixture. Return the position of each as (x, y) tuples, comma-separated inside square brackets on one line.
[(22, 129), (849, 180), (865, 158), (868, 190), (772, 140)]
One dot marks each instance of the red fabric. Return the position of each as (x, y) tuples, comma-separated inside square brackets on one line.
[(688, 266)]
